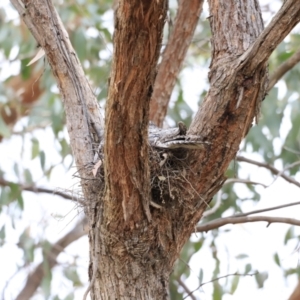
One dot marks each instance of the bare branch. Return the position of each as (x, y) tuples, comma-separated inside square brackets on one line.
[(187, 290), (217, 278), (34, 189), (265, 209), (173, 56), (215, 207), (284, 68), (269, 167), (239, 180), (294, 164), (239, 220), (35, 278)]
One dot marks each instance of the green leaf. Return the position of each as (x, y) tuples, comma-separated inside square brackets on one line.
[(16, 170), (242, 256), (28, 176), (27, 244), (277, 260), (261, 278), (35, 148), (289, 235), (218, 291), (248, 268), (65, 148), (2, 235), (234, 284), (201, 274), (20, 201), (72, 275), (46, 283), (42, 159)]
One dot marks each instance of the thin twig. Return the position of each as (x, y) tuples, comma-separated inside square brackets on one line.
[(284, 68), (269, 167), (187, 290), (239, 220), (266, 209), (294, 164), (291, 150), (215, 207), (238, 180), (221, 277), (34, 189)]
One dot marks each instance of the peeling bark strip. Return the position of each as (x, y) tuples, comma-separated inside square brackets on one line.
[(137, 39)]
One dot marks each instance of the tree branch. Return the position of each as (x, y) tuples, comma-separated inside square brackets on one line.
[(82, 111), (34, 279), (283, 22), (173, 56), (186, 289), (271, 168), (239, 180), (34, 189), (217, 278), (265, 209), (137, 41), (241, 220), (283, 68)]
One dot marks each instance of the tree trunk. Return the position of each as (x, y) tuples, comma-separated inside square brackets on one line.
[(133, 245)]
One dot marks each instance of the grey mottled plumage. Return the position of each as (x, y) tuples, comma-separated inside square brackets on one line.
[(173, 138), (169, 138)]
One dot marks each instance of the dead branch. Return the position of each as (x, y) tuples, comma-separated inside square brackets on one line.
[(283, 69), (35, 278), (35, 189), (269, 167), (245, 181), (173, 56), (241, 220), (218, 278), (186, 289), (265, 209)]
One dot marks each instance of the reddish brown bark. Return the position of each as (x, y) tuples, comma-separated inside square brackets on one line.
[(296, 293), (140, 24)]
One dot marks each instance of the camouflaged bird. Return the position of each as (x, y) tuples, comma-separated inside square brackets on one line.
[(173, 138), (168, 138)]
